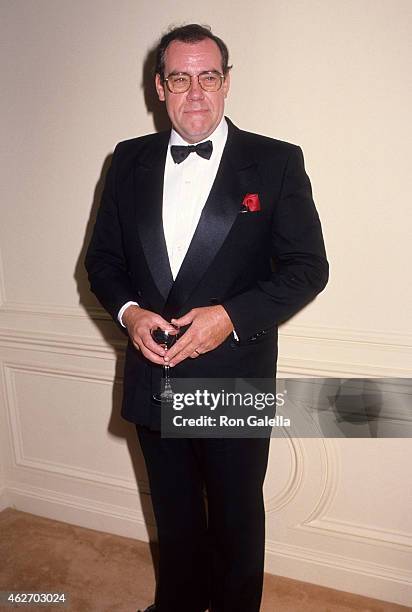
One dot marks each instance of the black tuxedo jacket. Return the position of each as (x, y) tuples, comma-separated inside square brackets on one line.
[(261, 266)]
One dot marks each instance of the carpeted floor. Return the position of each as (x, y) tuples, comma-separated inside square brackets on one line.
[(105, 573)]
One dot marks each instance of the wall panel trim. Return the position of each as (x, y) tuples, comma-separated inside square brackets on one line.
[(375, 354)]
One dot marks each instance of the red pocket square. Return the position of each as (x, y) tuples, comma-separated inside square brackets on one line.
[(251, 202)]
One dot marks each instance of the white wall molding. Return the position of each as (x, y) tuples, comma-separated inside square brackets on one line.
[(300, 367), (319, 522), (330, 470), (381, 359), (393, 339), (340, 334), (397, 540), (4, 498), (2, 285), (43, 324), (54, 310), (65, 344), (274, 503), (315, 351), (19, 457), (329, 559), (340, 572), (82, 511)]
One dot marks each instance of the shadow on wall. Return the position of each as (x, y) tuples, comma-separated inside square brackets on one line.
[(161, 122), (111, 333), (157, 109)]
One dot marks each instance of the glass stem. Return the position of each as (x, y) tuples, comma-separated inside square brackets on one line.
[(167, 378)]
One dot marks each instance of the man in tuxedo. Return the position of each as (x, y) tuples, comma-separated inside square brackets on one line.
[(213, 228)]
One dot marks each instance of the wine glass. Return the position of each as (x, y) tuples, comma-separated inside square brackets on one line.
[(166, 339)]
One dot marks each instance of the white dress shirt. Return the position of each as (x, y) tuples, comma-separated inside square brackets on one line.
[(186, 188)]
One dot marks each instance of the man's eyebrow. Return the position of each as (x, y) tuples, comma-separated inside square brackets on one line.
[(176, 72)]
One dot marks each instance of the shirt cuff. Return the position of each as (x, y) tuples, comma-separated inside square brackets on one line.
[(121, 311)]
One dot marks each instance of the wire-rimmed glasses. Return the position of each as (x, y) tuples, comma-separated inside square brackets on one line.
[(180, 82)]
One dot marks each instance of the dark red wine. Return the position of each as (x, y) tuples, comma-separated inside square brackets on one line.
[(164, 338)]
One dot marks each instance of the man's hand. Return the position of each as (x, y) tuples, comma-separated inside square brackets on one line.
[(139, 322), (209, 327)]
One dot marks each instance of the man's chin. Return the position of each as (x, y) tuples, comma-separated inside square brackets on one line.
[(195, 132)]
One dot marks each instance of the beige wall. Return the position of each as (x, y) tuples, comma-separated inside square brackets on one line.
[(331, 76)]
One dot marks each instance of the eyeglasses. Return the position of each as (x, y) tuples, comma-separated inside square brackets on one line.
[(180, 82)]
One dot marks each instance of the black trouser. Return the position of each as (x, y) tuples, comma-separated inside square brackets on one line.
[(215, 558)]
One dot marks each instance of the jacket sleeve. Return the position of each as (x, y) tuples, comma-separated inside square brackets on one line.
[(300, 265), (105, 258)]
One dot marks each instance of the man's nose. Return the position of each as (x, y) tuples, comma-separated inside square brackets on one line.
[(195, 91)]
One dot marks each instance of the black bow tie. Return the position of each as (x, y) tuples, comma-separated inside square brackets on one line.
[(179, 153)]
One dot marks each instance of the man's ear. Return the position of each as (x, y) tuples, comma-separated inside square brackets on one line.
[(226, 84), (159, 88)]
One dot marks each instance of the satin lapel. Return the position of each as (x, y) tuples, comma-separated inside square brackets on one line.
[(149, 174), (218, 215)]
